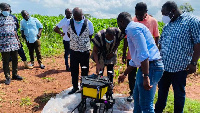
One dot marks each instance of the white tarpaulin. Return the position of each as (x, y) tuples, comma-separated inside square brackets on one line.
[(64, 103)]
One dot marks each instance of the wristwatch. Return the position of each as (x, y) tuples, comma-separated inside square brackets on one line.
[(194, 63), (145, 75)]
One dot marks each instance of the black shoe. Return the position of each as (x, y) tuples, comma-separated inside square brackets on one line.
[(78, 91), (42, 66), (68, 69), (130, 98), (32, 63), (7, 82), (73, 91), (17, 77)]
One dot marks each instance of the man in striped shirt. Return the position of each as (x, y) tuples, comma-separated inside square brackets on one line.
[(105, 47), (180, 51)]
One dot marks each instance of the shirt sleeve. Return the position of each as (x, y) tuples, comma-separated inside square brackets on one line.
[(91, 28), (61, 24), (38, 23), (21, 25), (120, 35), (155, 29), (131, 63), (139, 41), (195, 30)]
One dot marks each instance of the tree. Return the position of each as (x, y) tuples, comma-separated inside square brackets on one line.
[(186, 8)]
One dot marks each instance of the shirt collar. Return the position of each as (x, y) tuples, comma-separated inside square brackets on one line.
[(127, 27), (147, 17), (81, 20)]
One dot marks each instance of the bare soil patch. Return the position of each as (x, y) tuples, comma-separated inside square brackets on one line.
[(39, 85)]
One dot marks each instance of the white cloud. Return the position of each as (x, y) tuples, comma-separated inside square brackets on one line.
[(97, 8), (35, 0)]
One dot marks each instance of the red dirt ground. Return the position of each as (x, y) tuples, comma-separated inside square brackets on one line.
[(40, 85)]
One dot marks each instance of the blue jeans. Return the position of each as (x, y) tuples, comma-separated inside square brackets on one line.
[(178, 81), (143, 99), (67, 52)]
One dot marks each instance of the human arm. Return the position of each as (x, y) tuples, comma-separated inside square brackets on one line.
[(124, 50), (17, 39), (156, 33), (57, 30), (195, 37), (95, 55), (156, 40), (123, 75), (39, 33), (22, 34), (139, 41), (191, 67), (91, 29)]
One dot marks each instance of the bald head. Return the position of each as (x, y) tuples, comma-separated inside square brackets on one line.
[(25, 14), (68, 13), (78, 14), (110, 31)]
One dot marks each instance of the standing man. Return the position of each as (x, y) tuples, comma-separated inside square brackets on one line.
[(106, 43), (151, 23), (146, 56), (66, 40), (9, 43), (31, 29), (80, 31), (21, 50), (180, 51)]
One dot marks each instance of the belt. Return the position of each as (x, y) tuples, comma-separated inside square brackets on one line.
[(155, 61)]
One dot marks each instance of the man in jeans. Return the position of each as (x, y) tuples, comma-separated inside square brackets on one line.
[(66, 40), (146, 56), (151, 23), (180, 51), (31, 29)]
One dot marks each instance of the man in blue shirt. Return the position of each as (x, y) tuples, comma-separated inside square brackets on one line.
[(180, 51), (21, 50), (146, 56), (31, 29)]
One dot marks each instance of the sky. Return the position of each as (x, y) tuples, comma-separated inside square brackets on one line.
[(96, 8)]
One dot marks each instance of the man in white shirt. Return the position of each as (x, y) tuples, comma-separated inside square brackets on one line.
[(66, 40)]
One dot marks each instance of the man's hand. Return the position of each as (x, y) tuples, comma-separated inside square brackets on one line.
[(146, 83), (124, 58), (19, 45), (98, 68), (121, 78), (109, 56), (62, 34), (38, 35), (191, 69)]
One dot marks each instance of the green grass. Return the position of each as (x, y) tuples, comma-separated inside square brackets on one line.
[(25, 102), (191, 106)]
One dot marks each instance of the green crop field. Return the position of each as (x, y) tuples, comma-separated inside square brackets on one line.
[(52, 42)]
